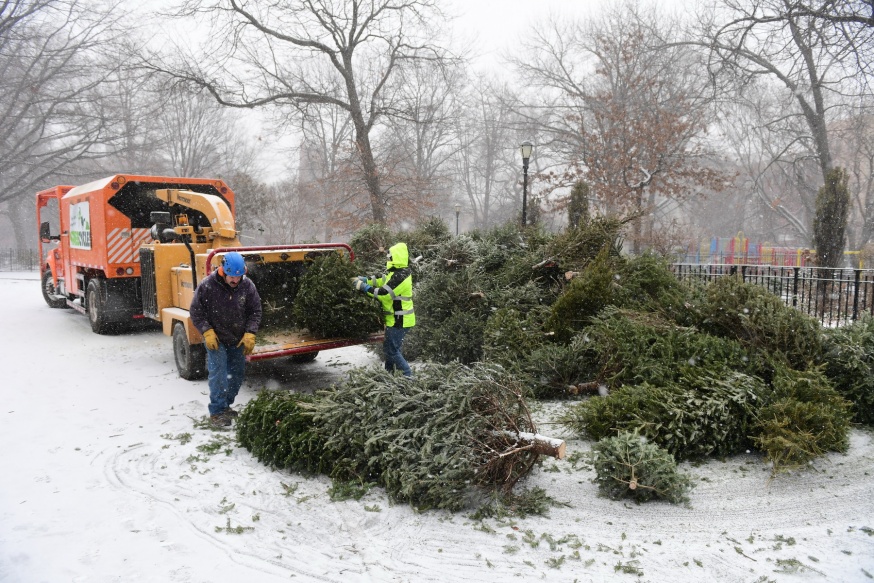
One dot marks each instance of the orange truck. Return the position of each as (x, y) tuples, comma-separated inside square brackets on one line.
[(130, 249)]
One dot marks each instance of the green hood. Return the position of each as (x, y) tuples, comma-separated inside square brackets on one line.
[(400, 256)]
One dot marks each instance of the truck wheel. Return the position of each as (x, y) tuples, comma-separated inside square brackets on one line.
[(48, 291), (304, 358), (96, 302), (190, 358)]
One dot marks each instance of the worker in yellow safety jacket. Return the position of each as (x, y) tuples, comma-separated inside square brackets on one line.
[(394, 290)]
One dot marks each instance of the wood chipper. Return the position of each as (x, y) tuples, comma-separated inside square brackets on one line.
[(132, 248)]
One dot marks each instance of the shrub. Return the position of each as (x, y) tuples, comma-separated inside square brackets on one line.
[(370, 244), (509, 336), (431, 441), (645, 283), (558, 370), (626, 466), (576, 247), (636, 347), (587, 294), (451, 312), (424, 239)]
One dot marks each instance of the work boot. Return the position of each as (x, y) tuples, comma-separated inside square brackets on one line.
[(231, 413), (220, 420)]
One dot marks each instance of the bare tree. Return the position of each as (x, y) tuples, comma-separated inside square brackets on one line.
[(855, 152), (201, 138), (271, 53), (328, 176), (484, 164), (50, 112), (624, 108), (780, 188), (819, 64), (419, 142)]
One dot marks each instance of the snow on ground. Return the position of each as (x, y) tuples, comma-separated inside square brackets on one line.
[(107, 476)]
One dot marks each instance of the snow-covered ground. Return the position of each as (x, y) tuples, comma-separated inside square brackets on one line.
[(106, 476)]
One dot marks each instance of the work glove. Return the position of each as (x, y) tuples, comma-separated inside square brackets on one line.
[(362, 285), (248, 343), (210, 339)]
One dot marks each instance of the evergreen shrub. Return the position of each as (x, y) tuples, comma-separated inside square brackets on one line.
[(576, 247), (451, 312), (510, 335), (370, 244), (436, 441), (587, 294), (425, 238), (645, 283), (635, 347), (627, 466), (557, 370)]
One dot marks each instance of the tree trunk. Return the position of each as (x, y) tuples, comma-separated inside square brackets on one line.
[(540, 444)]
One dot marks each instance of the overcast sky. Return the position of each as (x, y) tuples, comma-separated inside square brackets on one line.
[(498, 25)]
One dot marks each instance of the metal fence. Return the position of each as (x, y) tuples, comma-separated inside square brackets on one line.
[(19, 260), (832, 296)]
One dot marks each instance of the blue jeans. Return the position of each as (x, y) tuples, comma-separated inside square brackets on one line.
[(227, 369), (391, 345)]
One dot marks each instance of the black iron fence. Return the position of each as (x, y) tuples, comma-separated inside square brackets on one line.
[(19, 260), (832, 296)]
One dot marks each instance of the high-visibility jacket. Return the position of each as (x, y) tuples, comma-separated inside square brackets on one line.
[(394, 290)]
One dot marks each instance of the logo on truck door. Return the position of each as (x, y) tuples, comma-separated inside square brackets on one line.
[(80, 225)]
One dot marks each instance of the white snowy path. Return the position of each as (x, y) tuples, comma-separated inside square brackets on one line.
[(106, 478)]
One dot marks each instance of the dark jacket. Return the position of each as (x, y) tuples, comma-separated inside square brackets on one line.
[(231, 312)]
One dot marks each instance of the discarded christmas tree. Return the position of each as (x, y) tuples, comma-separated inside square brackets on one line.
[(432, 441), (627, 466), (329, 307)]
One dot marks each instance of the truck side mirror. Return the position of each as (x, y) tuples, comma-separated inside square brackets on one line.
[(45, 233)]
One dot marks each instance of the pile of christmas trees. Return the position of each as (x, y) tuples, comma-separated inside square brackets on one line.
[(654, 370)]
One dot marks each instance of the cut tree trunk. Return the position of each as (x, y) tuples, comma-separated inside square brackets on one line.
[(540, 444)]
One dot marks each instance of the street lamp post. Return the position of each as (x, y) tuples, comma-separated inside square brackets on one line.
[(526, 149), (457, 212)]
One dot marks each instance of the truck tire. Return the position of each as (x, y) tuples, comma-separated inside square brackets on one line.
[(190, 358), (95, 301), (48, 291), (304, 358)]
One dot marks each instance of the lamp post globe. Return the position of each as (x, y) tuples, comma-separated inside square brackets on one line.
[(526, 149)]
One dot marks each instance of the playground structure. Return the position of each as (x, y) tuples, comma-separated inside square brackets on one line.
[(739, 250)]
